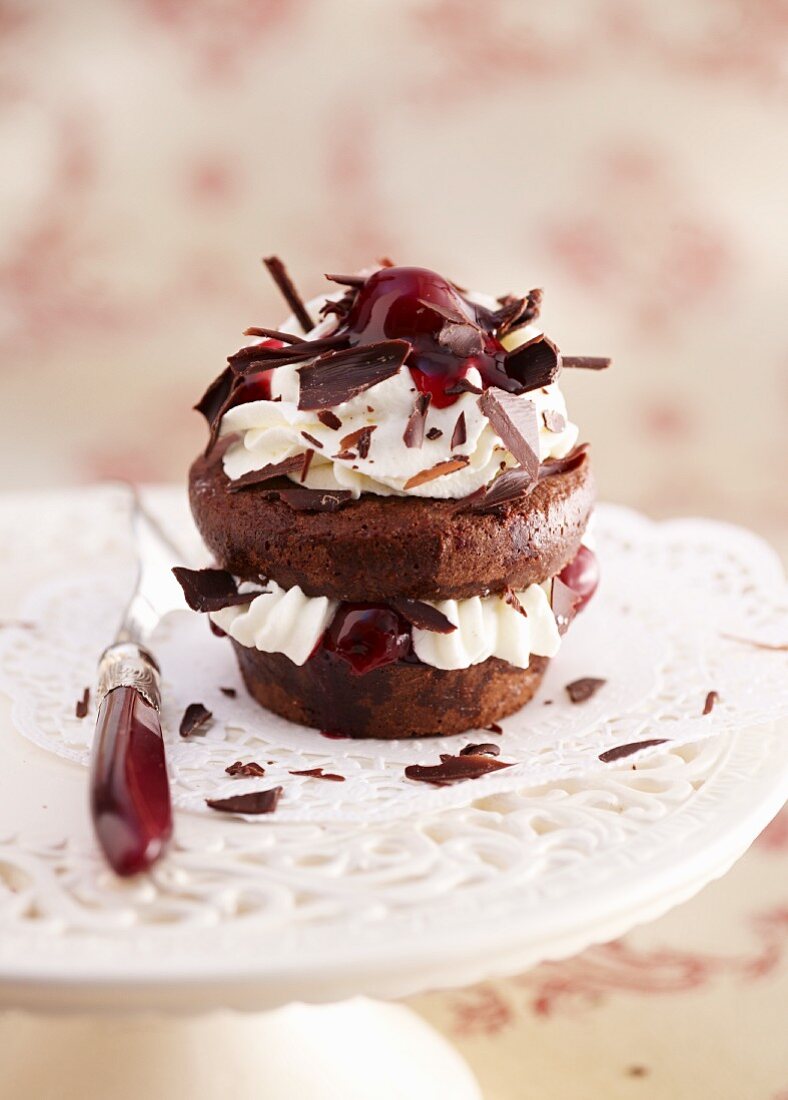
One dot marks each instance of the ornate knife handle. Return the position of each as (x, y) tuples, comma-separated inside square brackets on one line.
[(126, 664)]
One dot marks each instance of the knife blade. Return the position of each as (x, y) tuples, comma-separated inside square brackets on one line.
[(129, 788)]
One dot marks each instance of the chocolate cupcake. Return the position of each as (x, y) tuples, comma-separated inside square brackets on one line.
[(396, 502)]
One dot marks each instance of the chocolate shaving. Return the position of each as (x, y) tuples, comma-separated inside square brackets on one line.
[(194, 718), (318, 773), (460, 433), (712, 698), (486, 749), (278, 273), (773, 647), (354, 281), (514, 420), (563, 601), (311, 439), (626, 750), (250, 770), (308, 456), (345, 456), (572, 461), (581, 690), (510, 598), (214, 398), (209, 589), (414, 429), (462, 385), (434, 433), (329, 419), (229, 692), (439, 470), (255, 802), (553, 420), (255, 357), (360, 439), (461, 340), (586, 362), (534, 364), (302, 499), (338, 376), (83, 704), (494, 728), (423, 616), (253, 478), (453, 316), (516, 312), (274, 334), (454, 769), (515, 483)]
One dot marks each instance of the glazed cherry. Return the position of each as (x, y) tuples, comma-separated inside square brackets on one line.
[(367, 636), (415, 304), (256, 386), (582, 576)]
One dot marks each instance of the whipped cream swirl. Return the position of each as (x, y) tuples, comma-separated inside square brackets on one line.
[(272, 431)]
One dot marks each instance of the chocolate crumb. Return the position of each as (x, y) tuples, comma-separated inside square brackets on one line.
[(712, 698), (318, 773), (83, 704), (210, 589), (255, 802), (278, 273), (626, 750), (311, 439), (329, 419), (581, 690), (194, 718), (250, 770), (434, 433), (229, 692), (460, 433), (414, 428), (454, 769), (487, 749), (494, 728)]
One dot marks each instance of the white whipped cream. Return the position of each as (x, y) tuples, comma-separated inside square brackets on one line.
[(272, 431), (286, 621)]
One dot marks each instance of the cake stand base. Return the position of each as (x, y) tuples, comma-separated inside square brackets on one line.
[(349, 1051)]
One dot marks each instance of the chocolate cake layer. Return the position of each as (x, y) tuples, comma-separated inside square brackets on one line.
[(378, 548), (397, 700)]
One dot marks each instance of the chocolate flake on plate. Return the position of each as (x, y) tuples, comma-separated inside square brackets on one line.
[(586, 362), (209, 589), (423, 616), (712, 698), (487, 749), (564, 601), (581, 690), (318, 773), (360, 439), (250, 480), (534, 364), (434, 433), (454, 769), (554, 421), (514, 420), (414, 429), (311, 439), (231, 693), (439, 470), (278, 273), (338, 376), (83, 704), (255, 802), (329, 419), (460, 433), (194, 718), (250, 770), (621, 751)]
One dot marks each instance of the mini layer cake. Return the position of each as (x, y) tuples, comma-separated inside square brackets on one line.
[(396, 503)]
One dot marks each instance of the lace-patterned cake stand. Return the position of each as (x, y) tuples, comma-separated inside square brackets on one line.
[(306, 921)]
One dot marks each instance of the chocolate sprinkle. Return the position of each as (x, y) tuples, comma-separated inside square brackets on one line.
[(554, 421), (255, 802), (339, 376), (83, 704), (194, 718), (585, 362), (460, 433), (318, 773), (712, 698), (534, 364), (486, 749), (311, 439), (209, 589), (423, 616), (253, 478), (250, 770), (439, 470), (581, 690), (626, 750), (514, 420), (229, 692), (360, 439), (329, 419), (414, 429), (278, 273), (454, 769), (434, 433)]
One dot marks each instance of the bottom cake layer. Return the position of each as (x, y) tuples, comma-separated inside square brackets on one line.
[(401, 699)]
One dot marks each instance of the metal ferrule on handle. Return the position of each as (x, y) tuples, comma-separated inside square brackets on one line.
[(127, 664)]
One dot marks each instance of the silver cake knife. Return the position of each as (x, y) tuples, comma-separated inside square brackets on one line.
[(129, 789)]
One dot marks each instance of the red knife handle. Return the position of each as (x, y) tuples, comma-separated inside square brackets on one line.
[(129, 790)]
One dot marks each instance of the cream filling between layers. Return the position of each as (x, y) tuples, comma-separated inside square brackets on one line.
[(287, 621), (272, 431)]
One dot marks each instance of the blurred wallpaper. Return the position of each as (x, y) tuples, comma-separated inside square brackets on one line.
[(627, 156)]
